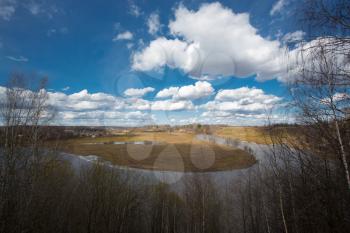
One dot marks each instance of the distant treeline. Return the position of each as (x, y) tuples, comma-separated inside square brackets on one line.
[(58, 132)]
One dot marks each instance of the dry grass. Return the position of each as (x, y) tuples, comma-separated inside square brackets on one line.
[(249, 134), (175, 152), (261, 135)]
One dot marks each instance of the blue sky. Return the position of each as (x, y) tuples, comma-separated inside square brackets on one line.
[(214, 62)]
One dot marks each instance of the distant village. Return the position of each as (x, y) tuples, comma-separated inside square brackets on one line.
[(98, 131)]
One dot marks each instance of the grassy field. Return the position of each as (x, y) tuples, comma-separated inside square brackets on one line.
[(172, 152), (260, 135), (249, 134)]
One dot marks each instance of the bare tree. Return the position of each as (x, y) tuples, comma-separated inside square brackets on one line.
[(322, 79), (22, 111)]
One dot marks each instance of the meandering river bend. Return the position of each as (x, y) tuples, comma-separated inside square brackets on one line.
[(173, 178)]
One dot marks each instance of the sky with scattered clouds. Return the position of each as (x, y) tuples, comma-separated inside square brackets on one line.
[(144, 62)]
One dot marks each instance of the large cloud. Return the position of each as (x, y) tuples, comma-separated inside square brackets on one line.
[(213, 41)]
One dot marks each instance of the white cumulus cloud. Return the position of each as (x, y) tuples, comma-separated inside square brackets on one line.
[(172, 105), (242, 100), (168, 92), (213, 42), (123, 36), (135, 92), (160, 105), (199, 90), (231, 106), (83, 100)]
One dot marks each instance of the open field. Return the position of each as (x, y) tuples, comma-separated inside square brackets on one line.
[(169, 151), (249, 134), (258, 135)]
